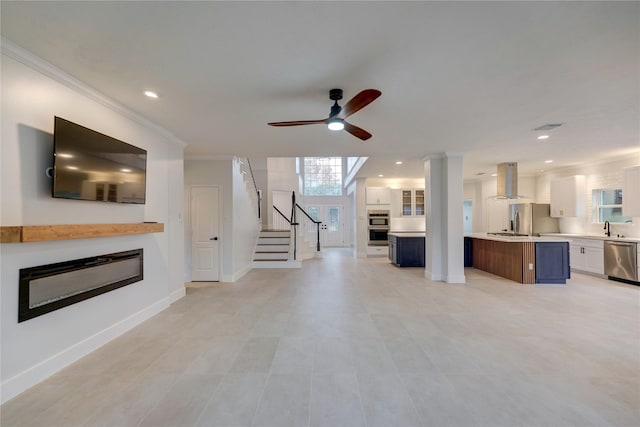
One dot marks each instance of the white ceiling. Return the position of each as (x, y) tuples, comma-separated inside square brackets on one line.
[(470, 77)]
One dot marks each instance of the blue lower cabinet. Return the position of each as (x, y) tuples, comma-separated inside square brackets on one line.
[(468, 252), (552, 262), (406, 251)]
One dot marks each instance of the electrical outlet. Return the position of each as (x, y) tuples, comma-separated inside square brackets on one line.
[(530, 266)]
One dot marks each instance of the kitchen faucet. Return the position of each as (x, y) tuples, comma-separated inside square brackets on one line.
[(607, 227)]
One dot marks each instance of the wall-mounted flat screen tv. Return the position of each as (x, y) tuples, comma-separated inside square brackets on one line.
[(88, 165)]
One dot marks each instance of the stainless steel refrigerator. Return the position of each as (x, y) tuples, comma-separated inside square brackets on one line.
[(532, 219)]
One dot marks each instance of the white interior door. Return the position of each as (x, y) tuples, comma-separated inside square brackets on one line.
[(332, 228), (205, 232)]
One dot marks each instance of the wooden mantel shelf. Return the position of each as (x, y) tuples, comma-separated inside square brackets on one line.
[(40, 233)]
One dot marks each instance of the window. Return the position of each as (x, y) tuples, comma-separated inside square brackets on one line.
[(323, 176), (607, 206)]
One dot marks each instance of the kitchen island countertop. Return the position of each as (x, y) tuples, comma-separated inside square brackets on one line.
[(593, 236), (549, 238), (407, 233)]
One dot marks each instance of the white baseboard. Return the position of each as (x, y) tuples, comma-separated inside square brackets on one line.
[(242, 272), (433, 277), (455, 279), (43, 370), (176, 294)]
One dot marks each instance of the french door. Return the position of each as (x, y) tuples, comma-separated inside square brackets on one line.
[(332, 228)]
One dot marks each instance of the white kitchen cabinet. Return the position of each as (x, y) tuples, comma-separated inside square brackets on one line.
[(395, 209), (377, 250), (568, 196), (412, 202), (378, 195), (631, 192), (587, 255), (497, 215)]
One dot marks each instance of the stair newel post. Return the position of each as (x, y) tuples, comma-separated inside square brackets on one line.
[(294, 224), (318, 236)]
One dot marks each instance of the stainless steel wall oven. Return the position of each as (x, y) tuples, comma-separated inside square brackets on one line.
[(378, 221)]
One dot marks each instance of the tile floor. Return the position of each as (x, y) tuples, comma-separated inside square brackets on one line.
[(353, 342)]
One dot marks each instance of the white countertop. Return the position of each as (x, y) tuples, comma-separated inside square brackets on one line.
[(407, 233), (592, 236), (485, 236)]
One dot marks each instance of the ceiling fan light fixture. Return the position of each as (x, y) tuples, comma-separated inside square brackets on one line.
[(335, 124)]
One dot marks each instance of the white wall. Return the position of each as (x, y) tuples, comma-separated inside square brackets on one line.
[(175, 221), (238, 221), (489, 213), (362, 233), (245, 223), (259, 167), (37, 348), (600, 175), (281, 176), (211, 173)]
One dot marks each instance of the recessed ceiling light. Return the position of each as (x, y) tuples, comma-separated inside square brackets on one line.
[(151, 94), (72, 167), (65, 155), (380, 175), (548, 161), (399, 162), (543, 137), (494, 174), (125, 170), (541, 170)]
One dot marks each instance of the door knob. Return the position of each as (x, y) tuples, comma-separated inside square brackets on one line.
[(214, 238)]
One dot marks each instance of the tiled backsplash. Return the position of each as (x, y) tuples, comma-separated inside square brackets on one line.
[(408, 223)]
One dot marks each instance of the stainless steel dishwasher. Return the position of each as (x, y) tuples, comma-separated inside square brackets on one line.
[(620, 260)]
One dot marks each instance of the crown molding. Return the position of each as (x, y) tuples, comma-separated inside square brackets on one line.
[(12, 50)]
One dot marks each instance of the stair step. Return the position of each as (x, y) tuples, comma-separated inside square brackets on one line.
[(271, 256), (272, 248), (273, 241), (275, 234)]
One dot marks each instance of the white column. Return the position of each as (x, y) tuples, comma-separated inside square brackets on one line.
[(434, 243), (454, 202), (361, 233), (444, 198)]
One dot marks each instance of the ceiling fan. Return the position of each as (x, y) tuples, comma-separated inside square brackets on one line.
[(338, 114)]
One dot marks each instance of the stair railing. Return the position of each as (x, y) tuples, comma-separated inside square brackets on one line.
[(255, 187), (292, 222), (278, 219), (317, 225), (256, 195)]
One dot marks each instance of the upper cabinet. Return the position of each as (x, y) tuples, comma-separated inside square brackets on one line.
[(568, 196), (413, 202), (378, 196), (631, 192)]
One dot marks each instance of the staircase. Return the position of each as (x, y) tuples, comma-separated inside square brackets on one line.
[(273, 250)]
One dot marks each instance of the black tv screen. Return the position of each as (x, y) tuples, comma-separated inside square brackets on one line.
[(88, 165)]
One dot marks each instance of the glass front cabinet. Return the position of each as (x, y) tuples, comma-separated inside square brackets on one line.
[(413, 202)]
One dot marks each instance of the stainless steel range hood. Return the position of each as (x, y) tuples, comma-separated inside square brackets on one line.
[(507, 181)]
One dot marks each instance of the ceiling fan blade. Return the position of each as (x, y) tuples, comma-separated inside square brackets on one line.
[(298, 123), (360, 101), (357, 132)]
